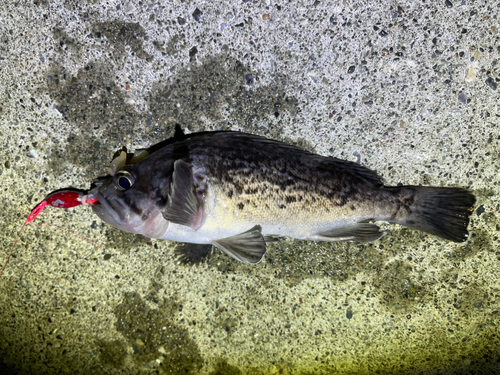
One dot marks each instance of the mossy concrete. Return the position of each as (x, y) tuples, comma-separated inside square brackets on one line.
[(408, 89)]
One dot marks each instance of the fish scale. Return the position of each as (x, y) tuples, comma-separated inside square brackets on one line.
[(277, 187)]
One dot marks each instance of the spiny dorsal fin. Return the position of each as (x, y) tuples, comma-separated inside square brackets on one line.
[(179, 133)]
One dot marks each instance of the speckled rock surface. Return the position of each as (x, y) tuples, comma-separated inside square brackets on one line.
[(409, 89)]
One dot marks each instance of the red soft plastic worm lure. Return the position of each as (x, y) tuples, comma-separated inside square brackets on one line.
[(65, 198)]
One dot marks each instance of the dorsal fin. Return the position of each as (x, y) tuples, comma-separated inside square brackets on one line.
[(179, 133), (359, 170)]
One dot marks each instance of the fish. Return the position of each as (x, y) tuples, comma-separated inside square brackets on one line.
[(237, 192)]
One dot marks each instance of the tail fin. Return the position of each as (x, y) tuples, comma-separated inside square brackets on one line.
[(443, 212)]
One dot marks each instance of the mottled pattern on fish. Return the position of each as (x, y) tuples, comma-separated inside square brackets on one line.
[(269, 181)]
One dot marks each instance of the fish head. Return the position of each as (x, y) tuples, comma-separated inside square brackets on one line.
[(134, 198)]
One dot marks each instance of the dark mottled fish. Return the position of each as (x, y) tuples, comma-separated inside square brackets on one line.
[(237, 191)]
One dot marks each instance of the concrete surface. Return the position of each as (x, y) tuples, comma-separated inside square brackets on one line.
[(408, 88)]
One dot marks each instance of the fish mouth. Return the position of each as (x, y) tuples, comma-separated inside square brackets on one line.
[(105, 210), (115, 213)]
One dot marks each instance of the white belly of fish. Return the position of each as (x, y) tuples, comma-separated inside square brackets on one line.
[(222, 222), (219, 222)]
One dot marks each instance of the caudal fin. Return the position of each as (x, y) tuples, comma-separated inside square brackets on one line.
[(443, 212)]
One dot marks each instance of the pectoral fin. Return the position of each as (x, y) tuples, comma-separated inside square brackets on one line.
[(359, 232), (183, 205), (246, 247), (192, 253)]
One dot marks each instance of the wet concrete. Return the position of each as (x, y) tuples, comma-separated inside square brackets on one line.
[(407, 89)]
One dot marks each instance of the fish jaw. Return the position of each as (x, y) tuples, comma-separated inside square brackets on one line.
[(150, 223)]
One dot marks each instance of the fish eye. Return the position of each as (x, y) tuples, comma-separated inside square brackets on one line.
[(124, 180)]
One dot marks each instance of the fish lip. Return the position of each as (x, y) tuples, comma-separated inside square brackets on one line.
[(103, 202)]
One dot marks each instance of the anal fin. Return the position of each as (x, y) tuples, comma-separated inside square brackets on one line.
[(246, 247), (359, 232)]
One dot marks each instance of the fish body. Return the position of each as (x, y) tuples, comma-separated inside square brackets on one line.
[(237, 191)]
